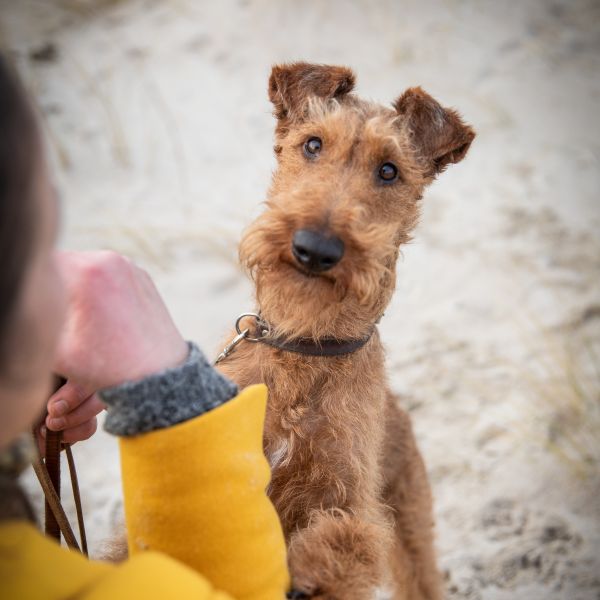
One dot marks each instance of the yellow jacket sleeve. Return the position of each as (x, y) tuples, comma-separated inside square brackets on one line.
[(33, 567), (194, 492)]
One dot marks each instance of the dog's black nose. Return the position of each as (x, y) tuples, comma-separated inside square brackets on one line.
[(315, 251)]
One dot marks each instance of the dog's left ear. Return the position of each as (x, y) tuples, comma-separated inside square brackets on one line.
[(438, 134), (291, 85)]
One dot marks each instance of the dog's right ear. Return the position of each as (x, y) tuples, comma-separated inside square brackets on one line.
[(291, 85)]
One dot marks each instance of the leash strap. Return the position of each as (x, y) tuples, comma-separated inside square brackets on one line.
[(52, 463), (53, 502), (76, 498), (48, 473)]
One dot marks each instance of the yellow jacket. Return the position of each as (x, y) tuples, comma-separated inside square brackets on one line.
[(197, 515)]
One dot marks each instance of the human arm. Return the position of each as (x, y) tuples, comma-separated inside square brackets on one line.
[(187, 540), (196, 491), (111, 337)]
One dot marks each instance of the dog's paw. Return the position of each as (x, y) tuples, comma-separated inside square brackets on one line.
[(338, 557)]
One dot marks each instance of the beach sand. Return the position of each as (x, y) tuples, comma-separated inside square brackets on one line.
[(160, 134)]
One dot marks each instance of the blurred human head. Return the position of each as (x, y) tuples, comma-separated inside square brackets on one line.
[(31, 292)]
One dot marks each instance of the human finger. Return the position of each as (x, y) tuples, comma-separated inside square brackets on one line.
[(81, 432), (66, 399), (85, 411)]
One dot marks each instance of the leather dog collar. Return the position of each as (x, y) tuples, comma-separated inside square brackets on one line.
[(321, 347), (307, 346)]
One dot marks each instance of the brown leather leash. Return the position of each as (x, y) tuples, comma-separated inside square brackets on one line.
[(48, 471)]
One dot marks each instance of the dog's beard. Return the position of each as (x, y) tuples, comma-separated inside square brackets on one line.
[(340, 302)]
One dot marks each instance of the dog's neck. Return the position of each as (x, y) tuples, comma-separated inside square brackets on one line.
[(330, 347), (327, 346)]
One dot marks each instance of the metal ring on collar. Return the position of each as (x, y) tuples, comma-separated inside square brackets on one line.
[(262, 326)]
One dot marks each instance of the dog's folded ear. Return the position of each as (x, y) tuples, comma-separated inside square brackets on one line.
[(438, 134), (291, 85)]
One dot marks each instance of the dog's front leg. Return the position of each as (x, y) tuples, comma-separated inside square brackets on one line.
[(339, 556)]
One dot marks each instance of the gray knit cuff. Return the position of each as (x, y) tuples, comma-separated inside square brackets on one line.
[(166, 398)]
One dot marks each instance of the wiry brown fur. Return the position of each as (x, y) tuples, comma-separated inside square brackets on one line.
[(348, 481)]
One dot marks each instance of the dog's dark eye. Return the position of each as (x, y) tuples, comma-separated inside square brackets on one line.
[(388, 172), (312, 146)]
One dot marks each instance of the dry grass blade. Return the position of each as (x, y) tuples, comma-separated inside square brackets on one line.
[(115, 127), (564, 414)]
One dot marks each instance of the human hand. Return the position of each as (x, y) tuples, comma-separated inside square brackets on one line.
[(117, 329)]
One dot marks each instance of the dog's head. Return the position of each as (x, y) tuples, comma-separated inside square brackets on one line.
[(344, 197)]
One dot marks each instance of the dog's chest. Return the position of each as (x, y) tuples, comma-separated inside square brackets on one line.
[(289, 430), (309, 416), (278, 453)]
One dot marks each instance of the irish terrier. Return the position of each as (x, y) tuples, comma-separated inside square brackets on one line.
[(348, 481)]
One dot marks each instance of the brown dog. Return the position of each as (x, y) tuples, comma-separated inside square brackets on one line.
[(348, 480)]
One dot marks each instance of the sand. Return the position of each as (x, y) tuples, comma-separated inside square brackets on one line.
[(160, 134)]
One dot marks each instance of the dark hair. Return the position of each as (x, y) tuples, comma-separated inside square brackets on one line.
[(19, 153)]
